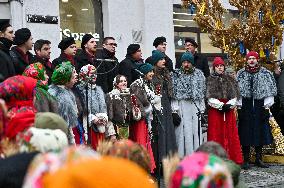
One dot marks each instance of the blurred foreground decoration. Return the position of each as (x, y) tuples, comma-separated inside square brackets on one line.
[(277, 135), (258, 27)]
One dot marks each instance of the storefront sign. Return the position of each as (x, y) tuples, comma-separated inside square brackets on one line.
[(42, 19), (77, 36)]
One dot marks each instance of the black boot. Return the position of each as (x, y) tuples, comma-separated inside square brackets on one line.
[(246, 152), (258, 158)]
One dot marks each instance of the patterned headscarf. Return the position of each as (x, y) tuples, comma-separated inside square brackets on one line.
[(36, 71), (18, 91), (87, 74), (62, 73), (201, 170)]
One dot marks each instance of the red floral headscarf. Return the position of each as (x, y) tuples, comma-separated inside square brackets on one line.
[(36, 71), (18, 92)]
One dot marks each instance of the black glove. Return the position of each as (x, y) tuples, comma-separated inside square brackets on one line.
[(176, 119), (266, 113), (226, 107)]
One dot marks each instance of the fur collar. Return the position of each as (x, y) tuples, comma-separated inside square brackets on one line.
[(188, 86), (222, 87)]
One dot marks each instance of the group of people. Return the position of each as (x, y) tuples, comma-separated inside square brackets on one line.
[(151, 103)]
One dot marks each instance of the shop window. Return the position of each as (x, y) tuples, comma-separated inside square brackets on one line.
[(79, 17)]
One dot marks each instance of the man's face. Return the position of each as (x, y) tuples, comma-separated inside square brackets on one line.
[(189, 47), (71, 50), (44, 52), (137, 55), (252, 61), (186, 65), (162, 47), (29, 43), (8, 33), (91, 46), (110, 45)]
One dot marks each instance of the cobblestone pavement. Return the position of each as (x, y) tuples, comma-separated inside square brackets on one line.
[(272, 177), (264, 177)]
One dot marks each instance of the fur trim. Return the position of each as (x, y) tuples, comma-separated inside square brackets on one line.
[(188, 86), (258, 85), (222, 87)]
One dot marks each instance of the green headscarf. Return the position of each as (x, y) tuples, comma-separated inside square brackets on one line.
[(62, 73)]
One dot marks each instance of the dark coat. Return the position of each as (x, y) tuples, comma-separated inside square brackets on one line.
[(253, 126), (164, 139), (82, 59), (107, 71), (47, 65), (200, 62), (281, 88), (20, 63), (59, 60), (127, 68), (169, 62), (6, 64)]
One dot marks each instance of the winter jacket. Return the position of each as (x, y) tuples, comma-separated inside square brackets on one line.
[(83, 59), (128, 67), (107, 71), (6, 64), (20, 63)]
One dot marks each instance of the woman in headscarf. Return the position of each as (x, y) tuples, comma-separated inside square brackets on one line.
[(44, 101), (21, 136), (63, 79), (19, 94), (201, 170), (93, 116)]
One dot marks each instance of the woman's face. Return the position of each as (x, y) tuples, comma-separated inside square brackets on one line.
[(161, 63), (73, 80), (122, 83), (149, 75), (219, 69)]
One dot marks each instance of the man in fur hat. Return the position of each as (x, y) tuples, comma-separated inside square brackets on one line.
[(160, 43), (68, 50), (257, 89), (20, 53)]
